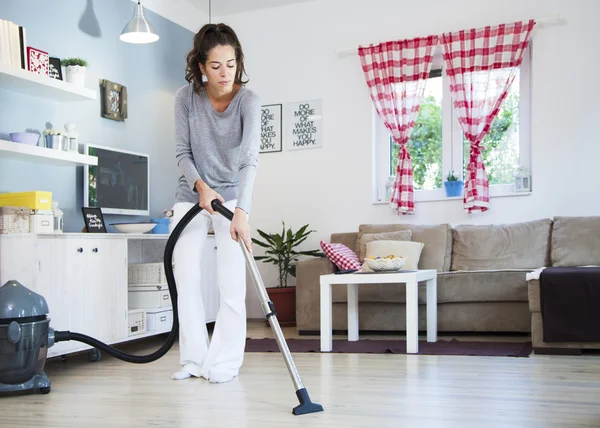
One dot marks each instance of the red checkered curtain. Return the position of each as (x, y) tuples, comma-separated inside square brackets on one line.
[(396, 73), (482, 64)]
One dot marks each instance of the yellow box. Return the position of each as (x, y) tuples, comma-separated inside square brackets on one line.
[(35, 200)]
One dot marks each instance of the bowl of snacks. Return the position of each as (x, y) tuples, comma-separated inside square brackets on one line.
[(387, 263)]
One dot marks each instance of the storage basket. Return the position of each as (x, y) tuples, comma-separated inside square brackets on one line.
[(14, 220), (146, 274)]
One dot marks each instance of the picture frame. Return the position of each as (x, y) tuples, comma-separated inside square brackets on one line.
[(54, 68), (94, 220), (303, 124), (113, 99), (37, 61), (271, 128)]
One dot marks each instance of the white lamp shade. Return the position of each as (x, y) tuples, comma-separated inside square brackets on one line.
[(138, 30)]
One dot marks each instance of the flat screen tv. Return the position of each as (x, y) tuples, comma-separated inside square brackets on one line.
[(119, 184)]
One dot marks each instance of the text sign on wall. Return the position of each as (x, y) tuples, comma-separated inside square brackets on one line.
[(303, 125), (270, 133)]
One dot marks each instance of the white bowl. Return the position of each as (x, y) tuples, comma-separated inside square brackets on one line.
[(380, 264), (134, 227)]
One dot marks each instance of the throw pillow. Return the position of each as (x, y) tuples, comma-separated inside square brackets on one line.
[(409, 249), (341, 256), (401, 235)]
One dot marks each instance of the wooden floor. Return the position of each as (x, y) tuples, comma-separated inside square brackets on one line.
[(356, 390)]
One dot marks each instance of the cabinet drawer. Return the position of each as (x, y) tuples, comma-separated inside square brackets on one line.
[(159, 321), (138, 297)]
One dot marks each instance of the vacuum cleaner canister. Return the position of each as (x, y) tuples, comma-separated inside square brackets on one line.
[(25, 336)]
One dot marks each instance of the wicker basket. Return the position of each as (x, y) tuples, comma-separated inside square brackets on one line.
[(14, 220), (146, 274)]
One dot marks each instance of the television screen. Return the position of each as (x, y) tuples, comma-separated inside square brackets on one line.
[(119, 184)]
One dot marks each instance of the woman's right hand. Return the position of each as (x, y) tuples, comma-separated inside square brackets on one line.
[(207, 195)]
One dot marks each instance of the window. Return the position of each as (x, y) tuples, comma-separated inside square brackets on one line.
[(437, 145)]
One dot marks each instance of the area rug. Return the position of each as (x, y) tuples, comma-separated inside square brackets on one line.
[(368, 346)]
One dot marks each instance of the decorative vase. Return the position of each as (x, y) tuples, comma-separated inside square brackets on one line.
[(75, 74), (453, 188), (284, 300)]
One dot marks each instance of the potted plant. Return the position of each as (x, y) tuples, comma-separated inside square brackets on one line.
[(453, 186), (281, 250), (75, 70)]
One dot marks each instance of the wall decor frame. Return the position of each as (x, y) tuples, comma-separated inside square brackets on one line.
[(113, 99)]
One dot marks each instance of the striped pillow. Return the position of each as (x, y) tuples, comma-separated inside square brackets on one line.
[(341, 256)]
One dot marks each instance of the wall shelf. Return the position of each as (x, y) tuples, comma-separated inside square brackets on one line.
[(11, 150), (24, 81)]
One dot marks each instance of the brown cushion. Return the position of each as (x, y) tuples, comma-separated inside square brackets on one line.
[(502, 246), (576, 241), (401, 235), (437, 240)]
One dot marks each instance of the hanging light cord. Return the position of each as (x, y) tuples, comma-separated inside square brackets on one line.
[(210, 11)]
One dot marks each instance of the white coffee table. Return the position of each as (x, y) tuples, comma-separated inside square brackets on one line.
[(353, 280)]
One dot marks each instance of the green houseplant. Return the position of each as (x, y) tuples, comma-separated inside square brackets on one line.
[(453, 185), (75, 70), (281, 249)]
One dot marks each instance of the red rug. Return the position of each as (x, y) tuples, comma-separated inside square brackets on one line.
[(368, 346)]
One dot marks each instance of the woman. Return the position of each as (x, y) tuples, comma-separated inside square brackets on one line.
[(217, 127)]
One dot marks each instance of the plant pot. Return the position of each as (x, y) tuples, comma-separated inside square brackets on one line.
[(75, 74), (284, 300), (453, 188)]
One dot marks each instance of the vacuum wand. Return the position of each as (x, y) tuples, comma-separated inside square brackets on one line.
[(306, 405)]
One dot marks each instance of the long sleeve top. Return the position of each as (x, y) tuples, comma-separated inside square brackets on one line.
[(221, 148)]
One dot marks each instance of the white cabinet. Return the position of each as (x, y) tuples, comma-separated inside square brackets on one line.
[(84, 279)]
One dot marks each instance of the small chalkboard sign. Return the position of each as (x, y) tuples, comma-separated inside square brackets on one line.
[(94, 221)]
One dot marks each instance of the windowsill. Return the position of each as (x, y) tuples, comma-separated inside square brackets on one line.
[(436, 198)]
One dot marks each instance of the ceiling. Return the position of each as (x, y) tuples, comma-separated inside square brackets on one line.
[(229, 7)]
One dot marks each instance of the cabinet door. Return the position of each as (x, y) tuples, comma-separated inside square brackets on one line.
[(59, 280), (17, 260), (105, 274)]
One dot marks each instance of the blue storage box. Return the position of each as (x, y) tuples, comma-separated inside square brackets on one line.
[(162, 227)]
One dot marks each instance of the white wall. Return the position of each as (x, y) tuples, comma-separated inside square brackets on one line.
[(290, 57)]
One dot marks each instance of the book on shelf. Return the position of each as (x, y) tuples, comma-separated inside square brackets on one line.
[(13, 45)]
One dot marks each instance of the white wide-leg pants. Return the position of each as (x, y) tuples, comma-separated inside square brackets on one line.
[(223, 354)]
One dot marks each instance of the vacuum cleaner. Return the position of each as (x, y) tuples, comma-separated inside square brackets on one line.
[(26, 335)]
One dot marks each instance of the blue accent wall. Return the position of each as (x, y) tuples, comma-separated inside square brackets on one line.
[(152, 73)]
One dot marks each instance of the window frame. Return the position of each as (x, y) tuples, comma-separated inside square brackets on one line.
[(452, 152)]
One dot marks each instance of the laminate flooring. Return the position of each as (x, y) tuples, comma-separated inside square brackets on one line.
[(356, 390)]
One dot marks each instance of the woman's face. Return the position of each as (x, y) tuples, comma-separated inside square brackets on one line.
[(220, 68)]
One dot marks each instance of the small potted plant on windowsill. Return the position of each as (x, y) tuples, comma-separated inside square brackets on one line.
[(453, 186), (75, 69), (281, 250)]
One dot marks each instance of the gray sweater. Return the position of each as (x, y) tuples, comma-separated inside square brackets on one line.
[(220, 148)]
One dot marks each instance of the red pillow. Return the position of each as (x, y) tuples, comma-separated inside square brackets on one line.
[(341, 256)]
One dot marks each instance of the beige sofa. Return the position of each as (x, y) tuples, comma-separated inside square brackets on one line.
[(482, 283), (575, 242)]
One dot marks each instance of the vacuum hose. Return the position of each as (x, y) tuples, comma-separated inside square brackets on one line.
[(61, 336)]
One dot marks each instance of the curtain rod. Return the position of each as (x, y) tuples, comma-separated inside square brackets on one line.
[(551, 20)]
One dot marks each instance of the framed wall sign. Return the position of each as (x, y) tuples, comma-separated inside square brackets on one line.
[(271, 127), (303, 125), (94, 220), (113, 99)]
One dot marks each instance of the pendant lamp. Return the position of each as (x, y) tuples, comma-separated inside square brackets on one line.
[(138, 30)]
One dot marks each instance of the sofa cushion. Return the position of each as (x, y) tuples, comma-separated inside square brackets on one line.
[(502, 246), (576, 241), (452, 287), (341, 256), (410, 250), (400, 235), (436, 238)]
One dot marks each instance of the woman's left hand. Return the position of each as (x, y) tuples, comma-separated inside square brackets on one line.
[(240, 228)]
